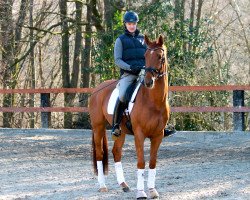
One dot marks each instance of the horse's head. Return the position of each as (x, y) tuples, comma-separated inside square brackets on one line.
[(155, 61)]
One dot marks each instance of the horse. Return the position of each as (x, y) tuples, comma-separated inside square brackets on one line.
[(149, 116)]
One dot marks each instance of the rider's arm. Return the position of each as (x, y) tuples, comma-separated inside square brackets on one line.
[(118, 55)]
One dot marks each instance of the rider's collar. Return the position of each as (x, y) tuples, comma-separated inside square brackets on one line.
[(136, 33)]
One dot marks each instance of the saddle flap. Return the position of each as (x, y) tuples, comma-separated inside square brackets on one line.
[(115, 94)]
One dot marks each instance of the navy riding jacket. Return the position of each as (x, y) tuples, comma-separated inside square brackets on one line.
[(134, 49)]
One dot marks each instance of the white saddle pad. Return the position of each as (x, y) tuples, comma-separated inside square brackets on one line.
[(114, 96)]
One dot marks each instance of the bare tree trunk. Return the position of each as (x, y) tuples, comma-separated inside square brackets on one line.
[(65, 60), (96, 17), (182, 18), (86, 53), (191, 23), (32, 66), (108, 15), (196, 33), (7, 36), (86, 65), (42, 81), (78, 44), (179, 15), (92, 16), (77, 50), (11, 46), (19, 24), (129, 4), (177, 11), (15, 68), (70, 81), (236, 10)]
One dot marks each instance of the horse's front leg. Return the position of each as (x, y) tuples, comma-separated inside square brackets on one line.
[(155, 144), (139, 145), (117, 153)]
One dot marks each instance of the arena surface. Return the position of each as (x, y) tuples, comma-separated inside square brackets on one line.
[(56, 164)]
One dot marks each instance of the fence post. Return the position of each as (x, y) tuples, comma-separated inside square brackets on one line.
[(238, 117), (45, 116)]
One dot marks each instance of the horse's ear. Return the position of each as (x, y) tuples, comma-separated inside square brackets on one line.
[(147, 41), (160, 40)]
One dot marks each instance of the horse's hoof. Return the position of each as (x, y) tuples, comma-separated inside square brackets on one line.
[(125, 187), (104, 189), (141, 195), (153, 194)]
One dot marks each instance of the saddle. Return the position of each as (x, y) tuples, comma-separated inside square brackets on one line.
[(130, 97)]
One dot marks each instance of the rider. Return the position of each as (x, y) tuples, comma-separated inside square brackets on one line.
[(129, 53)]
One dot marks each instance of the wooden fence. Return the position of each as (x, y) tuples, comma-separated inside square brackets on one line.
[(238, 107)]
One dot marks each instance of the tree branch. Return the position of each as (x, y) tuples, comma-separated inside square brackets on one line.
[(234, 5)]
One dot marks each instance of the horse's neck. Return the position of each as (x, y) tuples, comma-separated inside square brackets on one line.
[(159, 94)]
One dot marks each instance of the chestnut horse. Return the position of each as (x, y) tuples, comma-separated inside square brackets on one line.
[(149, 116)]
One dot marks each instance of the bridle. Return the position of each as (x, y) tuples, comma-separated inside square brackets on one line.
[(153, 70)]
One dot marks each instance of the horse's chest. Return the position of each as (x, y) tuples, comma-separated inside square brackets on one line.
[(154, 121)]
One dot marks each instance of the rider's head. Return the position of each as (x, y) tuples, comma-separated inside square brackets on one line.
[(130, 20)]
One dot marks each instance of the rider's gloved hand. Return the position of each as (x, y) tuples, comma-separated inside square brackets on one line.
[(136, 68)]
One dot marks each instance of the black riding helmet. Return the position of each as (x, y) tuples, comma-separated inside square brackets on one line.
[(130, 16)]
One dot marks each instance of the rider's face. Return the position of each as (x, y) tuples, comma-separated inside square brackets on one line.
[(131, 26)]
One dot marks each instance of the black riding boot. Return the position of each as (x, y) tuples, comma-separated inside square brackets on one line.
[(169, 130), (117, 118)]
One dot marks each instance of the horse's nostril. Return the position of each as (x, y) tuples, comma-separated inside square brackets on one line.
[(149, 83)]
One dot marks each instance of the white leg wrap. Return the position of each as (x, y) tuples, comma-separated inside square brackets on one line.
[(119, 173), (101, 178), (151, 178), (140, 179)]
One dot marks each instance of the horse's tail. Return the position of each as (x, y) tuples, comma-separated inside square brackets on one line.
[(105, 159), (105, 154), (94, 154)]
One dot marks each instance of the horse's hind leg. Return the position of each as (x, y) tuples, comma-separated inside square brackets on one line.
[(117, 153), (100, 154)]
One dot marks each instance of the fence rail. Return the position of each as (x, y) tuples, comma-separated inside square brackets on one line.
[(238, 108), (182, 109), (89, 90)]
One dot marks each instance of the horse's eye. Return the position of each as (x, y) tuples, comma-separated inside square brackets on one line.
[(159, 57)]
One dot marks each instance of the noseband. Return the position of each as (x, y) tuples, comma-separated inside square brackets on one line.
[(153, 70)]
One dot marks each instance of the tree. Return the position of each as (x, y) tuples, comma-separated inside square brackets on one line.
[(11, 35), (7, 36), (70, 81), (32, 80)]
